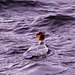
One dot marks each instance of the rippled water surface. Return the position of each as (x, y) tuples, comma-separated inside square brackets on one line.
[(20, 21)]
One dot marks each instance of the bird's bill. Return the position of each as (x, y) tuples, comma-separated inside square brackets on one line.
[(34, 36)]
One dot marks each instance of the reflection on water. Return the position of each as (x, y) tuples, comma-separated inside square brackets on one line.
[(20, 21)]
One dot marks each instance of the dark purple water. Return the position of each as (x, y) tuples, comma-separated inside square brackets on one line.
[(20, 21)]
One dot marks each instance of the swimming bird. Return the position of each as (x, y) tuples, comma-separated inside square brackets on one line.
[(37, 49)]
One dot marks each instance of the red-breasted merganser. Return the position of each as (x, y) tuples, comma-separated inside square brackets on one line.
[(37, 49)]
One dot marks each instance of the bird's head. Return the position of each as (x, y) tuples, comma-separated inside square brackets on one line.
[(40, 36)]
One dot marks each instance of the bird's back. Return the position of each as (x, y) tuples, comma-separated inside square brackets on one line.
[(36, 50)]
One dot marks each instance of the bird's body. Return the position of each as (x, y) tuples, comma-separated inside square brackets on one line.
[(36, 50)]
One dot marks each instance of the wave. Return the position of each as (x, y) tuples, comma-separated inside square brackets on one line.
[(57, 19), (52, 22), (23, 3)]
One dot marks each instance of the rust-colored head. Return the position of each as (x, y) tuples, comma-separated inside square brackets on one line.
[(40, 35)]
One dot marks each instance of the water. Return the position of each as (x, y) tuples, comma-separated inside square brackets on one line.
[(20, 21)]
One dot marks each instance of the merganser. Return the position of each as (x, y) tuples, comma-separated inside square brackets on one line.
[(37, 49)]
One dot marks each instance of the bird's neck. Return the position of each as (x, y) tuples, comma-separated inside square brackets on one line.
[(41, 42)]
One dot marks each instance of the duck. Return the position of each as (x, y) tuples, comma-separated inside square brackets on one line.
[(38, 49)]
